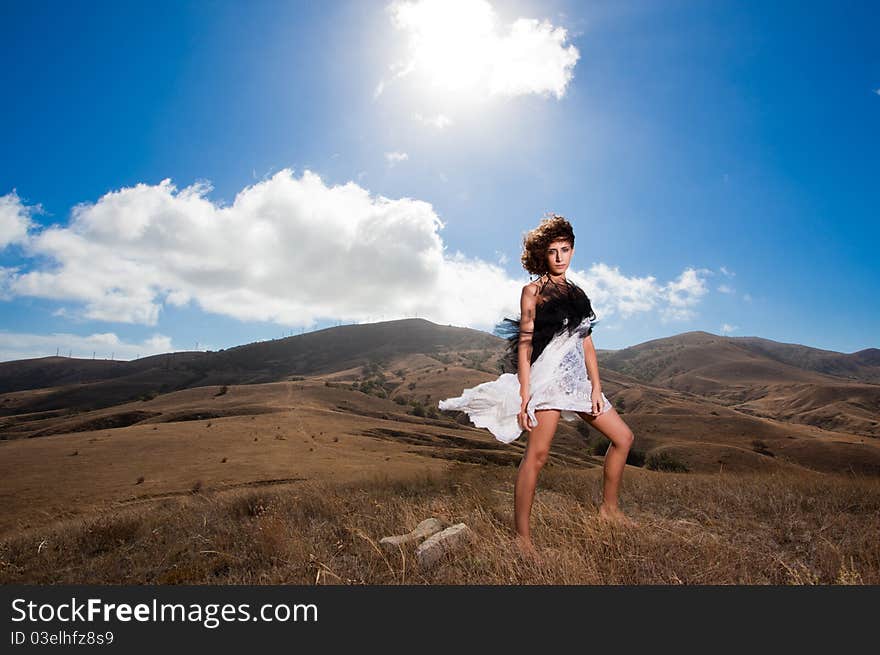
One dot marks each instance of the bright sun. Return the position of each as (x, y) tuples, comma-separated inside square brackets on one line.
[(451, 43), (459, 53)]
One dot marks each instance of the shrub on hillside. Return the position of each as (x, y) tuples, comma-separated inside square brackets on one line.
[(664, 461), (761, 448), (635, 457)]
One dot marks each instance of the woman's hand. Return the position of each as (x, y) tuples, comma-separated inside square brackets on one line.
[(596, 402), (523, 417)]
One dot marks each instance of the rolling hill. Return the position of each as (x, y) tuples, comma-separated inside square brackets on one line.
[(785, 382), (350, 401)]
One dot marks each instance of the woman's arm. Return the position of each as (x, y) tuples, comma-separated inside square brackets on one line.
[(528, 302), (592, 363)]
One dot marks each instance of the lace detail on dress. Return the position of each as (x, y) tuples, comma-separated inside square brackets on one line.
[(569, 372)]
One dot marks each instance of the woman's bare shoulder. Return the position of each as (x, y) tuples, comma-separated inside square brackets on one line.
[(532, 290), (534, 287)]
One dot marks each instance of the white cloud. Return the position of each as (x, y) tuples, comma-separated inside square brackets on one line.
[(682, 294), (439, 121), (614, 294), (727, 328), (533, 59), (458, 46), (15, 219), (395, 157), (724, 288), (726, 272), (292, 251), (288, 250), (18, 345)]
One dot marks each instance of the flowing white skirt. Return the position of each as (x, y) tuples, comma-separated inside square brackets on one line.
[(557, 380)]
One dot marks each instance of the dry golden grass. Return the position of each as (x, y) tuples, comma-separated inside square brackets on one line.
[(760, 528)]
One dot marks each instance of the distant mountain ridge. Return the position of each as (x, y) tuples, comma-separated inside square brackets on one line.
[(641, 360), (787, 382), (756, 376), (102, 383)]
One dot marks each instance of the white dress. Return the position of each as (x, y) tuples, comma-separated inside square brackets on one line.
[(557, 380)]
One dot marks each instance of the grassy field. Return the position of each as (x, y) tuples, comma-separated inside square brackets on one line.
[(777, 527)]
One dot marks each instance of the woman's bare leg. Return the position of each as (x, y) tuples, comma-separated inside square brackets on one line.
[(537, 451), (612, 426)]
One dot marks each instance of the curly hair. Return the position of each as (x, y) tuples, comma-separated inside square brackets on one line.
[(535, 242)]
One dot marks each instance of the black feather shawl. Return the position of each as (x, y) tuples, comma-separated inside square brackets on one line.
[(559, 307)]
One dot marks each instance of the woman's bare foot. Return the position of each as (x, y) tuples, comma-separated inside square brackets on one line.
[(527, 550), (614, 514)]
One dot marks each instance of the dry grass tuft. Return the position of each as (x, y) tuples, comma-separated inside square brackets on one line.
[(778, 528)]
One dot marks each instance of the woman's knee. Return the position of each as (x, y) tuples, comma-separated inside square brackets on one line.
[(537, 457)]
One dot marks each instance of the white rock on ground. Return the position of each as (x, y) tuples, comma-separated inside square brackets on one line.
[(434, 547), (426, 528)]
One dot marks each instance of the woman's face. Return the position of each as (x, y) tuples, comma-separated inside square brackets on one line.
[(558, 257)]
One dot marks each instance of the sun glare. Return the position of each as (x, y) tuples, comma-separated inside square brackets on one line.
[(456, 55), (450, 43)]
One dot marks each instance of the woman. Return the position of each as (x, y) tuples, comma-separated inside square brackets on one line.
[(557, 375)]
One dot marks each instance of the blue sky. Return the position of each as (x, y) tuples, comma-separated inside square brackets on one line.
[(348, 162)]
